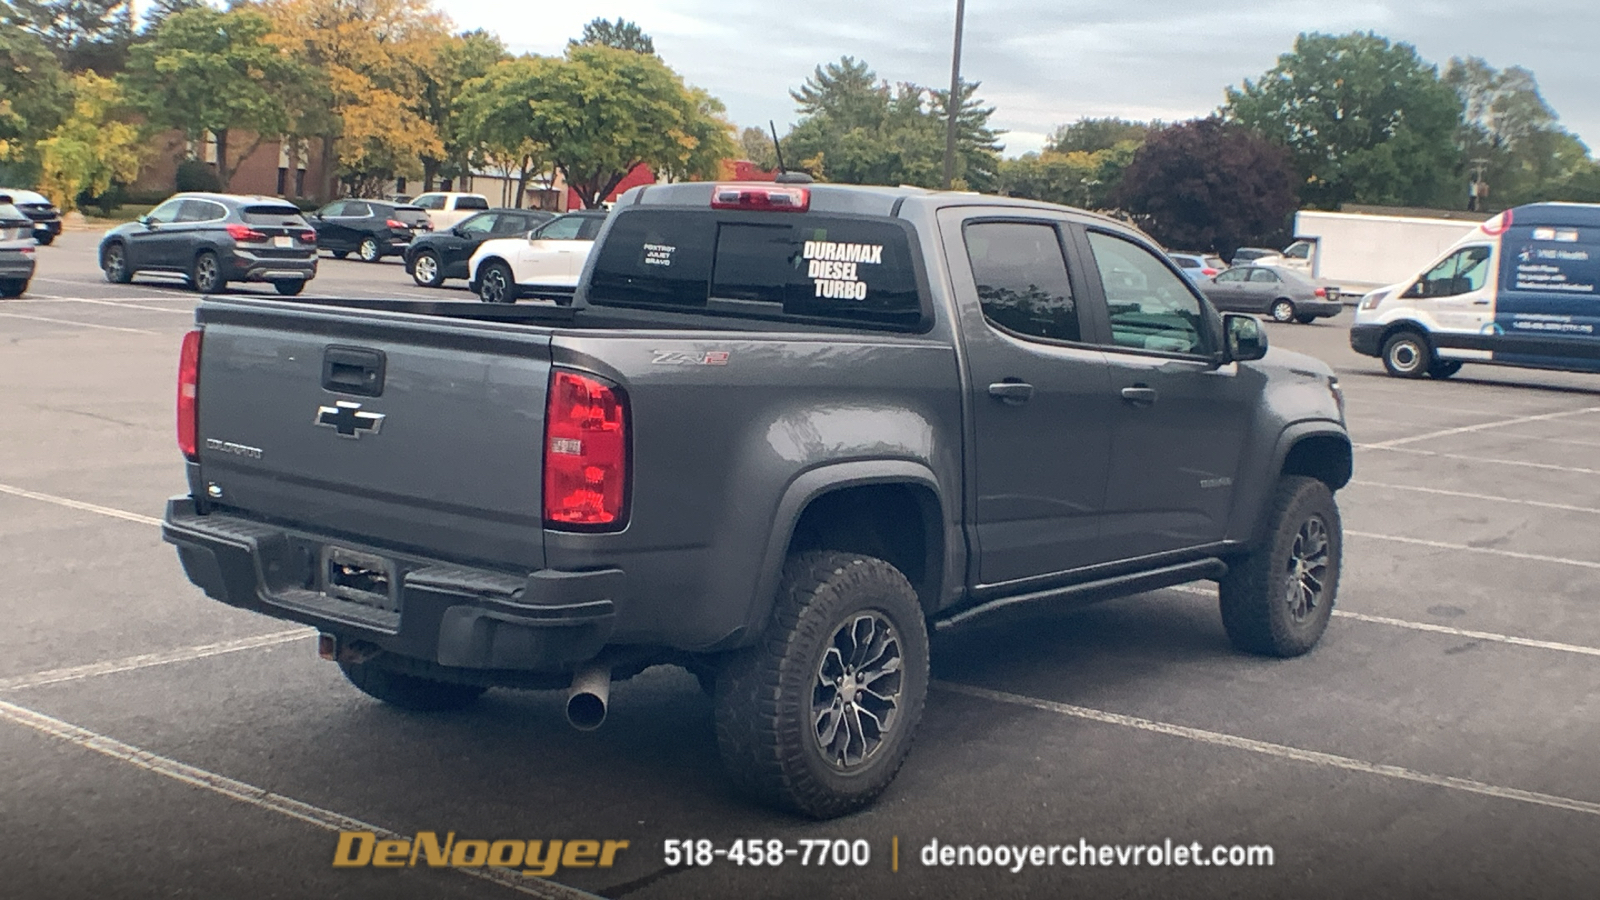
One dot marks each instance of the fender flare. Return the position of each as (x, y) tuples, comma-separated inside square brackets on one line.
[(1291, 435), (813, 483)]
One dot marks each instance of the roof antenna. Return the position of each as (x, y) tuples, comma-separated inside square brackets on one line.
[(784, 175)]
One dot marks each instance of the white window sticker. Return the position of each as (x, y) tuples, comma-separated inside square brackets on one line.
[(834, 267), (658, 254)]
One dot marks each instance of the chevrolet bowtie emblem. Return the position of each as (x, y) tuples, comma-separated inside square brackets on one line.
[(348, 419)]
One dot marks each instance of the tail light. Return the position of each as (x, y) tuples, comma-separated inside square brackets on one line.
[(585, 453), (1208, 272), (308, 237), (770, 199), (1321, 292), (244, 233), (189, 395), (396, 223)]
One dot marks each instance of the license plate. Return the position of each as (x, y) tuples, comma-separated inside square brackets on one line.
[(283, 240)]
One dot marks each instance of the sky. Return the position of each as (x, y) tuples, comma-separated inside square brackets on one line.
[(1044, 63)]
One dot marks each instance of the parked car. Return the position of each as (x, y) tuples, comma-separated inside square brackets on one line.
[(38, 208), (1296, 256), (1197, 266), (763, 445), (213, 239), (1518, 290), (1283, 294), (446, 208), (434, 257), (371, 229), (552, 257), (17, 246), (1245, 255)]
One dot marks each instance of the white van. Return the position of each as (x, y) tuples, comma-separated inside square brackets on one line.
[(1523, 289)]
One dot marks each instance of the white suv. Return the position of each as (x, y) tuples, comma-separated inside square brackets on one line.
[(550, 258), (446, 208)]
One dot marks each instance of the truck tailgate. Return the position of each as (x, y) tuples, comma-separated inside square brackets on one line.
[(387, 429)]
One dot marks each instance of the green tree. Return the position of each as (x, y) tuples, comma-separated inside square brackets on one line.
[(857, 130), (203, 70), (1076, 178), (93, 148), (34, 97), (83, 34), (1093, 135), (161, 10), (443, 76), (1365, 120), (493, 119), (1511, 136), (1209, 185), (621, 35), (755, 144), (603, 111)]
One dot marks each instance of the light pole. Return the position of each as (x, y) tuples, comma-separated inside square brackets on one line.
[(954, 104)]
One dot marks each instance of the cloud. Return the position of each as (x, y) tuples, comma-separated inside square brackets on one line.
[(1044, 63)]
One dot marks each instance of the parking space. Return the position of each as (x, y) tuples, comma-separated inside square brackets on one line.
[(1440, 742)]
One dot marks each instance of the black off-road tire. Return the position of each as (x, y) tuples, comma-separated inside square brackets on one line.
[(1406, 354), (1258, 608), (409, 691), (766, 725), (1444, 368)]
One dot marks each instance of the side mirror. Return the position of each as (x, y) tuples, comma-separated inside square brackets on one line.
[(1419, 289), (144, 220), (457, 231), (1246, 338)]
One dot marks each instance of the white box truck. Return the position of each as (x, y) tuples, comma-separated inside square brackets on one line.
[(1356, 250)]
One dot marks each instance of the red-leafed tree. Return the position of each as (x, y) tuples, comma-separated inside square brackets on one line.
[(1210, 185)]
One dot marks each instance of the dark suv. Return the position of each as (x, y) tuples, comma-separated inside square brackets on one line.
[(371, 229), (212, 239), (37, 207)]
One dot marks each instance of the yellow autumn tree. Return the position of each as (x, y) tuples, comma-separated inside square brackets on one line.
[(369, 57), (92, 147)]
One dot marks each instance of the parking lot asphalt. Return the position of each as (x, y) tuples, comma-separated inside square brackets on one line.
[(1442, 741)]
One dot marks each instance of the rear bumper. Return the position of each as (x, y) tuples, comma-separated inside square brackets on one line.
[(442, 614), (15, 265), (246, 266), (1364, 339), (1320, 308), (51, 227)]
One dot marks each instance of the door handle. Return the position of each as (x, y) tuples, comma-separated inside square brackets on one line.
[(1139, 395), (1014, 393), (1480, 303)]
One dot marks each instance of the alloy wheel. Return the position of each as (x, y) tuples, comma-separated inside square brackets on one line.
[(856, 697), (426, 270), (1307, 570)]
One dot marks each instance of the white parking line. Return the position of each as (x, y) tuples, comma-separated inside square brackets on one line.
[(1522, 463), (1464, 429), (1463, 494), (79, 324), (1429, 627), (258, 797), (120, 304), (1281, 751), (1467, 548), (78, 504), (147, 660)]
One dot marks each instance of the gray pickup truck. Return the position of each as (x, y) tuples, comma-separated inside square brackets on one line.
[(782, 434)]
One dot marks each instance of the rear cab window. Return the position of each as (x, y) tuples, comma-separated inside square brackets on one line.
[(471, 203), (818, 268)]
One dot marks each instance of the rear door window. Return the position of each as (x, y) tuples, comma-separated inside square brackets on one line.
[(1022, 279), (811, 267)]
